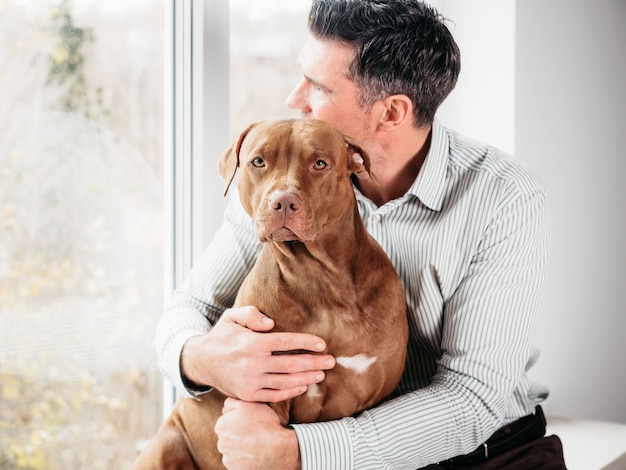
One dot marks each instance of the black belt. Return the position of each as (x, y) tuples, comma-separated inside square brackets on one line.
[(508, 437)]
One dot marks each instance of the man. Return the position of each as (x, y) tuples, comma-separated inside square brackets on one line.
[(466, 229)]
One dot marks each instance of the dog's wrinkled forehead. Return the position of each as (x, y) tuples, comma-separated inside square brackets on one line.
[(282, 137), (297, 136)]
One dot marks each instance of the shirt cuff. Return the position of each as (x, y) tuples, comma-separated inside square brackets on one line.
[(173, 364), (325, 445)]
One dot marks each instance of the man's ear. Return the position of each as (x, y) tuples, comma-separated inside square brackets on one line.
[(229, 161), (396, 110)]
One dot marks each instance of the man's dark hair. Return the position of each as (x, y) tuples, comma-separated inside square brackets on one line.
[(401, 47)]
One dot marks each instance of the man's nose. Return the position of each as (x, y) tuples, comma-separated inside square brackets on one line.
[(298, 99)]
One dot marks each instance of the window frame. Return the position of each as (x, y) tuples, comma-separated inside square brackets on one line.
[(196, 110)]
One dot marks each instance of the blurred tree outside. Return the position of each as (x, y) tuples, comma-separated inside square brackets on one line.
[(80, 231), (81, 189), (67, 63)]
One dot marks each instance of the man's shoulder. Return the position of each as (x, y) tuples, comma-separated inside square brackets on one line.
[(473, 159)]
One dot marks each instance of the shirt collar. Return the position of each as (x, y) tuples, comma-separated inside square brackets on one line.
[(430, 185)]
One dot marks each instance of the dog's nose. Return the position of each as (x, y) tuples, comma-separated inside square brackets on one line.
[(284, 201)]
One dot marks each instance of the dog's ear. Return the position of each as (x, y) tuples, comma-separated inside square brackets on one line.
[(358, 158), (229, 161)]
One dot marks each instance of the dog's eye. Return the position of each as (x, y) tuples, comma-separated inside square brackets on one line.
[(320, 165), (258, 162)]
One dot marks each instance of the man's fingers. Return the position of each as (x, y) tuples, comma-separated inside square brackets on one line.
[(285, 342), (290, 381), (289, 384), (250, 317), (264, 395), (295, 363), (267, 395)]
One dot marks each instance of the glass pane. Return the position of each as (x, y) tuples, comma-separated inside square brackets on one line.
[(265, 40), (80, 230)]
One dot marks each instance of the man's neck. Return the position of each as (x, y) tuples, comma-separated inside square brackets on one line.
[(395, 171)]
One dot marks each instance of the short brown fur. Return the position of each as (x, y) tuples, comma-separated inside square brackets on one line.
[(319, 272)]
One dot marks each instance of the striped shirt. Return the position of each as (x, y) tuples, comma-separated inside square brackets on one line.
[(470, 242)]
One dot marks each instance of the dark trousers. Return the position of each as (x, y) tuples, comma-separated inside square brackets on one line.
[(545, 453), (520, 445)]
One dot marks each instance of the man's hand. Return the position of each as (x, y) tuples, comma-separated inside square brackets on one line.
[(270, 446), (236, 358)]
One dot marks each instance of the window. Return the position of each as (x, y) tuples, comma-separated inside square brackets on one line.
[(265, 40), (81, 238), (96, 226), (233, 63)]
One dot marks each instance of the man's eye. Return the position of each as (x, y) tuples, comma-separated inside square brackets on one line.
[(320, 165), (258, 162)]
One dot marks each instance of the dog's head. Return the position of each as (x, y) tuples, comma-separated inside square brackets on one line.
[(294, 176)]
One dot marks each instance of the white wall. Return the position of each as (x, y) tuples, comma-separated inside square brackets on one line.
[(546, 81), (482, 105), (570, 120)]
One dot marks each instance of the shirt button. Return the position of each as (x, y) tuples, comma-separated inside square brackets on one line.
[(376, 218)]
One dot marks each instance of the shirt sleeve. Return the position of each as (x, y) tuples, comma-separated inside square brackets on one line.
[(486, 343), (210, 288)]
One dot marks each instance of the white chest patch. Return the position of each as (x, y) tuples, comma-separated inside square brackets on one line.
[(313, 391), (359, 363)]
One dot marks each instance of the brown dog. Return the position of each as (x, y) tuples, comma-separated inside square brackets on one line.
[(319, 272)]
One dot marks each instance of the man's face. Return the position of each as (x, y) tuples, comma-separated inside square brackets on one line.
[(324, 92)]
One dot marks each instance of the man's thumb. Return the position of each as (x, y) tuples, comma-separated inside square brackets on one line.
[(251, 318)]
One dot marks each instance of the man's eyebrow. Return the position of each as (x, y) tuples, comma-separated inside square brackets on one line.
[(315, 83)]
